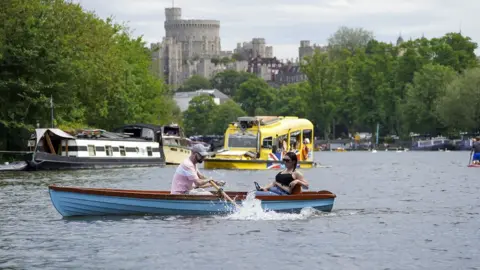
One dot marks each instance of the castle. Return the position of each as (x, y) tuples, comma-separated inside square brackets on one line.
[(193, 47)]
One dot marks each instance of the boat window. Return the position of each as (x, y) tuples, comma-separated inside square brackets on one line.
[(170, 141), (267, 143), (108, 150), (242, 140), (122, 151), (307, 133), (295, 139), (91, 150), (147, 133), (149, 151), (184, 142), (281, 146)]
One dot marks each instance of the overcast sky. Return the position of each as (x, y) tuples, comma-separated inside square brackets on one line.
[(283, 23)]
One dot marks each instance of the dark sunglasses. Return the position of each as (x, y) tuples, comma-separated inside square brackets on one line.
[(287, 160)]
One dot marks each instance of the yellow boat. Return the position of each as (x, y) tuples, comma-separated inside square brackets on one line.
[(175, 145), (260, 142)]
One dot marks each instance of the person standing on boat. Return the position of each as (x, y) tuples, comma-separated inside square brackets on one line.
[(187, 179), (287, 179), (475, 150)]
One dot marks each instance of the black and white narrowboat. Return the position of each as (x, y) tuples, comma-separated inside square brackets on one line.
[(128, 146)]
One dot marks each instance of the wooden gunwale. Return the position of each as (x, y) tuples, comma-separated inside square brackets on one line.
[(165, 195)]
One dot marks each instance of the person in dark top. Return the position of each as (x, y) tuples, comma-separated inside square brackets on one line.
[(476, 151), (286, 180)]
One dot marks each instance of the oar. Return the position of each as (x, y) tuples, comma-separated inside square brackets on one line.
[(223, 193)]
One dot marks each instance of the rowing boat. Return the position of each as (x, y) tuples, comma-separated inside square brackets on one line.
[(79, 201)]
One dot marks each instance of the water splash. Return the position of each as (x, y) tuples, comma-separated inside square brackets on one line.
[(251, 209)]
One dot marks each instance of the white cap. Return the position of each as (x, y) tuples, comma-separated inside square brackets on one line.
[(307, 141)]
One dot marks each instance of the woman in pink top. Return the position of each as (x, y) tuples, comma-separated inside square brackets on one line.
[(187, 176)]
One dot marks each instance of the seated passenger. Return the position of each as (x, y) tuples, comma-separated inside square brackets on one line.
[(286, 180), (476, 151), (305, 149)]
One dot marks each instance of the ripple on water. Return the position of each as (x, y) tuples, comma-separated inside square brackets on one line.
[(393, 211)]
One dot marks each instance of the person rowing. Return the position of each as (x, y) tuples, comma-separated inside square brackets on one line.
[(187, 179), (475, 151), (287, 179)]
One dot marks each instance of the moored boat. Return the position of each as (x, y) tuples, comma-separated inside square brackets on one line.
[(260, 142), (129, 146), (77, 201), (176, 146)]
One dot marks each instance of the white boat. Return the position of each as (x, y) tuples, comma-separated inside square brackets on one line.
[(176, 146), (129, 146)]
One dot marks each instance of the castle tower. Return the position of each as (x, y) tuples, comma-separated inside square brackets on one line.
[(198, 38), (173, 14), (258, 47)]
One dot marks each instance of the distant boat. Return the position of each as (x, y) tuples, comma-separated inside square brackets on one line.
[(77, 201), (433, 144)]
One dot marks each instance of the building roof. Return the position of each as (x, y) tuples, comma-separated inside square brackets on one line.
[(183, 98)]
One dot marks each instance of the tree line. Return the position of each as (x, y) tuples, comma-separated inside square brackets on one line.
[(98, 75), (426, 86), (95, 72)]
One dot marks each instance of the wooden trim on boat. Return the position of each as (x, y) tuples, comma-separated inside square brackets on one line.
[(165, 195)]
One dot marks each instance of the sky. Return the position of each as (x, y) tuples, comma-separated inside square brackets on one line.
[(283, 23)]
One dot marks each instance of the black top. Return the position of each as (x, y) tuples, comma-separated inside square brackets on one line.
[(284, 178), (476, 147)]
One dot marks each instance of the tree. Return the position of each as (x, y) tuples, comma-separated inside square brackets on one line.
[(429, 85), (372, 73), (459, 109), (350, 38), (456, 51), (229, 81), (238, 57), (96, 73), (253, 94), (195, 82), (290, 100), (224, 114), (199, 115), (322, 91)]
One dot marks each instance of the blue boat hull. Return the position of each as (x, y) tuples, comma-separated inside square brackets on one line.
[(81, 204)]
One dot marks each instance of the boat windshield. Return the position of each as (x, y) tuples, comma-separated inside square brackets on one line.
[(242, 141)]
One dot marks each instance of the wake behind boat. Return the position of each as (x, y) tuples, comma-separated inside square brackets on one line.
[(78, 201)]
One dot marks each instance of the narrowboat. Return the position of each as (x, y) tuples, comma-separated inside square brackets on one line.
[(432, 144), (260, 142), (129, 146), (78, 201)]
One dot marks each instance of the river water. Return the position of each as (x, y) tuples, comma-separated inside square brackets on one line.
[(407, 210)]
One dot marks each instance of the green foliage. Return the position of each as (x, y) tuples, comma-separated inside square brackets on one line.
[(229, 81), (198, 118), (459, 108), (350, 39), (429, 85), (224, 114), (322, 91), (203, 116), (255, 93), (195, 82), (97, 74)]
